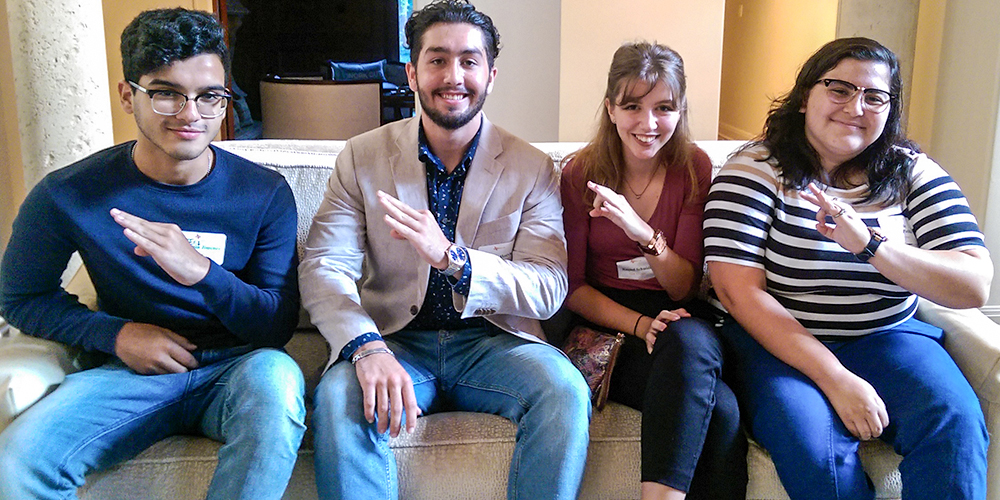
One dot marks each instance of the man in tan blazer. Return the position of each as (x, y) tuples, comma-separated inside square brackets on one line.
[(437, 248)]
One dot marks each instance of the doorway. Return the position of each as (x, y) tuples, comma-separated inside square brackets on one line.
[(764, 43), (300, 39)]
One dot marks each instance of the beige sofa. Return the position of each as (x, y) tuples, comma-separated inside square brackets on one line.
[(451, 455)]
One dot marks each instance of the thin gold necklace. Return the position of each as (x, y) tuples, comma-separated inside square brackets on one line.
[(648, 183)]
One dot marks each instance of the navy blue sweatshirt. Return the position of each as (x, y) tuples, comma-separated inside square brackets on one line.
[(251, 297)]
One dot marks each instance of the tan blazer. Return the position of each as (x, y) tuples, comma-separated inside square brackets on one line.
[(355, 278)]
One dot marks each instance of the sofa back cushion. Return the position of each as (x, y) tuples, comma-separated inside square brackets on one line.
[(307, 165)]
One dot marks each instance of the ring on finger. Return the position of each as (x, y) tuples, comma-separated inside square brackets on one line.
[(838, 214)]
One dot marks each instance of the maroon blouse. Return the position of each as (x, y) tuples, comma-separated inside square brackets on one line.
[(595, 244)]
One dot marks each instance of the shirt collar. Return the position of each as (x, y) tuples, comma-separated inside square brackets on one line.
[(428, 157)]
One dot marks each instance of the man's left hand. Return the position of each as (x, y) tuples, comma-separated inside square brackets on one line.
[(419, 227), (167, 245)]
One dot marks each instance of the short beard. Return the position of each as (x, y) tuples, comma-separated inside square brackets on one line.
[(451, 122)]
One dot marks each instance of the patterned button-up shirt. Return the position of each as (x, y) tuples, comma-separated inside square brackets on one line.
[(444, 196)]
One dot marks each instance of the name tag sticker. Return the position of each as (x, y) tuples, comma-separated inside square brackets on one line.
[(503, 250), (211, 245), (635, 269), (896, 227)]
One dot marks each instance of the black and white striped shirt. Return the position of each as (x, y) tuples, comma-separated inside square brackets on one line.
[(751, 220)]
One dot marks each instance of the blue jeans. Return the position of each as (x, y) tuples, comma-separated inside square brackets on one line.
[(481, 370), (251, 401), (935, 421)]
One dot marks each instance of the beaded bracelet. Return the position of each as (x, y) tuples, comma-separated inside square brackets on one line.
[(368, 352)]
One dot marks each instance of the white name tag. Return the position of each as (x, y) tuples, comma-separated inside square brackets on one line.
[(635, 269), (503, 250), (897, 228), (211, 245)]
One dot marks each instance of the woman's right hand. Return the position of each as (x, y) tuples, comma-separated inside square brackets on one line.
[(659, 323), (616, 208), (858, 405)]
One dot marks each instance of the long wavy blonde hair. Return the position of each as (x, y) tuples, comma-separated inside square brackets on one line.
[(602, 160)]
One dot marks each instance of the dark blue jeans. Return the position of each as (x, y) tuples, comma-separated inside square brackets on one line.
[(935, 421), (478, 369)]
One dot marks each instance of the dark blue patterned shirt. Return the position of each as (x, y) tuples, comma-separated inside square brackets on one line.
[(444, 196)]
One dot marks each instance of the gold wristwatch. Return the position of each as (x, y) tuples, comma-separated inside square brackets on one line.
[(656, 246)]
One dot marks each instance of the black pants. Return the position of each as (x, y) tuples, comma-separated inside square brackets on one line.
[(691, 435)]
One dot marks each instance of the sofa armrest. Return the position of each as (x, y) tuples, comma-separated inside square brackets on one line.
[(30, 368), (81, 286), (973, 340)]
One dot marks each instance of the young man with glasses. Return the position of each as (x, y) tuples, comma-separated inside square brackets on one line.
[(192, 253)]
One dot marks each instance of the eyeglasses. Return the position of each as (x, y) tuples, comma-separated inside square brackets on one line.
[(171, 103), (841, 92)]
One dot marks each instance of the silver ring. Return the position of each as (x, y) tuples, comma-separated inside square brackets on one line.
[(838, 214)]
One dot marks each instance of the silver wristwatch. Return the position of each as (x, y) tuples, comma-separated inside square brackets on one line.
[(457, 257)]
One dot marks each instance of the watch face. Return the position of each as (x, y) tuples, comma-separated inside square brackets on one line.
[(660, 245), (454, 254)]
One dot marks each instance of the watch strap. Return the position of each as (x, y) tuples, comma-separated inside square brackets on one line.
[(869, 251)]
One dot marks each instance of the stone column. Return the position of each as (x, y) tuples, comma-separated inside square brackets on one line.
[(892, 22), (60, 72)]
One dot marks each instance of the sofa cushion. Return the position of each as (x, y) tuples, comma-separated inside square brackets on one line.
[(307, 165)]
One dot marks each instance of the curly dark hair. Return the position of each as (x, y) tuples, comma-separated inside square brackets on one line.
[(885, 165), (157, 38), (450, 12)]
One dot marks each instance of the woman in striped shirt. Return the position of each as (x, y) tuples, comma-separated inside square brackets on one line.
[(820, 236)]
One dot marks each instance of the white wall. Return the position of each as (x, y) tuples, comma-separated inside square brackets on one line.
[(892, 22), (593, 29), (11, 171), (765, 44), (555, 56), (967, 97), (966, 132), (525, 99)]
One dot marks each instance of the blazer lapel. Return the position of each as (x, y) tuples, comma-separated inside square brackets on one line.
[(480, 182), (408, 173)]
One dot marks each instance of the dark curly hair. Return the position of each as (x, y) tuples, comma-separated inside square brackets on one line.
[(450, 12), (157, 38), (885, 165)]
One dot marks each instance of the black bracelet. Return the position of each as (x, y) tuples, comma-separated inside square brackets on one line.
[(637, 320)]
